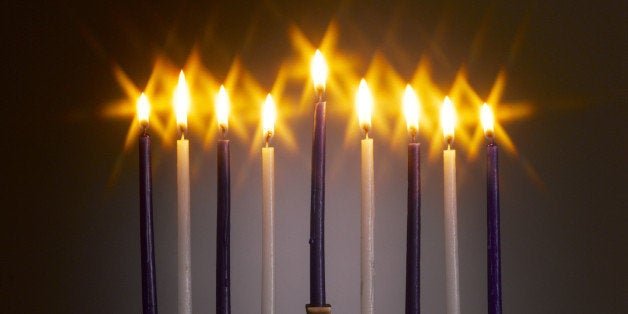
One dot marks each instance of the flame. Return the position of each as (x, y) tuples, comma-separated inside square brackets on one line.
[(182, 101), (269, 115), (143, 109), (319, 70), (411, 109), (488, 120), (364, 103), (448, 119), (222, 108)]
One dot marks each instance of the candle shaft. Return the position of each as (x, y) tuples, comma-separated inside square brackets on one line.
[(493, 237), (413, 242), (149, 277), (368, 221), (223, 294), (451, 233), (317, 210), (268, 230), (184, 252)]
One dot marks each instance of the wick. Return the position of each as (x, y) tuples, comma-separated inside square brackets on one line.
[(267, 137), (223, 131), (413, 134), (321, 92), (144, 127), (450, 140), (366, 132), (182, 130)]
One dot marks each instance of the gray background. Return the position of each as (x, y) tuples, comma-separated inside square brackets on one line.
[(70, 221)]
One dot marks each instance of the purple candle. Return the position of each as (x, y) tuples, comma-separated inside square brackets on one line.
[(413, 242), (149, 286), (492, 216), (223, 294), (413, 245), (317, 205)]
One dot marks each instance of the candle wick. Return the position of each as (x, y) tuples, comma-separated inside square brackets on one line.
[(321, 92), (223, 131), (413, 133), (182, 130), (144, 126), (366, 132), (267, 137)]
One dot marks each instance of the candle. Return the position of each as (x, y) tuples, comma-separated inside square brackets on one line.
[(364, 102), (269, 114), (182, 104), (317, 206), (413, 231), (492, 215), (149, 277), (448, 120), (223, 294)]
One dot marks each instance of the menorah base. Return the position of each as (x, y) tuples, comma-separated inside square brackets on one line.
[(318, 309)]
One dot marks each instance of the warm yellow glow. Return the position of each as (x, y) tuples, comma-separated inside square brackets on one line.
[(269, 115), (364, 103), (411, 109), (488, 120), (319, 70), (448, 119), (143, 109), (222, 108), (182, 101)]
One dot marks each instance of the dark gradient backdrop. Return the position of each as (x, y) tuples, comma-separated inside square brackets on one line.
[(70, 217)]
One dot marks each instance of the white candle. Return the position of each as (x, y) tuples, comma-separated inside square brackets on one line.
[(364, 102), (182, 103), (450, 201), (268, 209)]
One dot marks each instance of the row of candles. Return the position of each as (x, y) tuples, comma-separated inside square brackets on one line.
[(317, 302)]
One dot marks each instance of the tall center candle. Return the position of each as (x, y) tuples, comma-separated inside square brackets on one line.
[(451, 211), (182, 103), (149, 284), (317, 197), (268, 208), (413, 238), (364, 102), (492, 215), (223, 294)]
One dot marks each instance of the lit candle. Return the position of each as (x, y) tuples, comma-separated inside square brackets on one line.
[(448, 121), (269, 114), (413, 242), (223, 294), (492, 215), (317, 205), (149, 277), (182, 105), (364, 102)]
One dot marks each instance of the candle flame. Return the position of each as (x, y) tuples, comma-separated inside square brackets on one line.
[(222, 108), (411, 109), (182, 101), (488, 119), (364, 102), (448, 119), (143, 109), (269, 115), (319, 70)]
